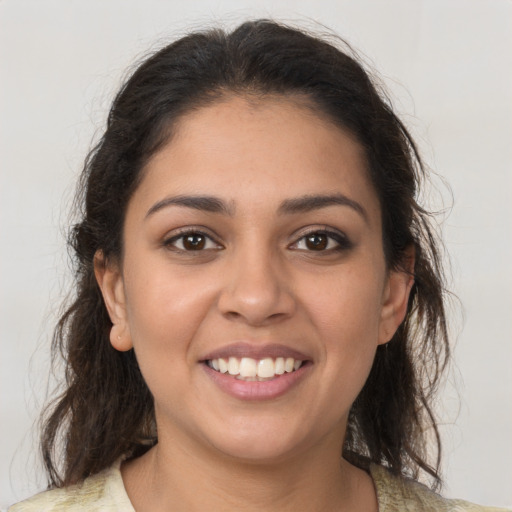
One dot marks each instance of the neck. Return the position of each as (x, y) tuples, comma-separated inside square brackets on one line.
[(172, 476)]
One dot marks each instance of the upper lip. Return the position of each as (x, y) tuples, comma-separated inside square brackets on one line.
[(245, 349)]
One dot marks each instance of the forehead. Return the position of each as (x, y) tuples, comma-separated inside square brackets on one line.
[(254, 150)]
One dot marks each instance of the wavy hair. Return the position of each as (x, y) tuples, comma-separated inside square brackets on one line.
[(106, 410)]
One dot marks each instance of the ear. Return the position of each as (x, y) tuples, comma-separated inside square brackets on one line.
[(110, 280), (396, 297)]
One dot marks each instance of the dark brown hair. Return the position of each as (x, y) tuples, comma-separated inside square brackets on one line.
[(106, 410)]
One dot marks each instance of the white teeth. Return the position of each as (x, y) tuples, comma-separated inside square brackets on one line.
[(223, 366), (233, 366), (266, 368), (279, 367), (248, 367), (251, 369)]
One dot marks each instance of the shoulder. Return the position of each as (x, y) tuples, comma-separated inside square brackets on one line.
[(398, 494), (102, 492)]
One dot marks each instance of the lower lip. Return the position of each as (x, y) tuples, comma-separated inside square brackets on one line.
[(254, 390)]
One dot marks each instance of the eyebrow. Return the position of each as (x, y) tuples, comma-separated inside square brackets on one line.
[(204, 203), (314, 202), (302, 204)]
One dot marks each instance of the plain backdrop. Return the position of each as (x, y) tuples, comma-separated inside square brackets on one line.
[(447, 64)]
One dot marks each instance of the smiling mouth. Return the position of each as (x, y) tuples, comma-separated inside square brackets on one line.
[(257, 370)]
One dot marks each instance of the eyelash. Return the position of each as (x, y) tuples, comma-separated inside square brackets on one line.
[(171, 243), (340, 240)]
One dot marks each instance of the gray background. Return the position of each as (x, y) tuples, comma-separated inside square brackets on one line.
[(448, 66)]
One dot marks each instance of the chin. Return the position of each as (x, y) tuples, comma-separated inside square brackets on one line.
[(257, 453), (259, 443)]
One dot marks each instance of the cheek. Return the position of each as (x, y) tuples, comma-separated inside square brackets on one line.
[(346, 303), (346, 316), (164, 316), (164, 311)]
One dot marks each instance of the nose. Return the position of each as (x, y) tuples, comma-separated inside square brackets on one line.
[(257, 289)]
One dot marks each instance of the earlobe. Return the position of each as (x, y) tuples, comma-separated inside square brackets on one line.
[(120, 338), (110, 281), (396, 299)]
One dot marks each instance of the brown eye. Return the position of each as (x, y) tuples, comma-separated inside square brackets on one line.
[(323, 241), (194, 242), (191, 241), (316, 241)]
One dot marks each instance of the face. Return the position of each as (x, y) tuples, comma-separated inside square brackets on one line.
[(253, 286)]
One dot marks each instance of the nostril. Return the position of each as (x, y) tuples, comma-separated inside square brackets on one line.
[(232, 315)]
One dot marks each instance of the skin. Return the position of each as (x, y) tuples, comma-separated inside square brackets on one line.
[(256, 280)]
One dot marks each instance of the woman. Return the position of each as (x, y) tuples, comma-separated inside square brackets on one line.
[(258, 292)]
